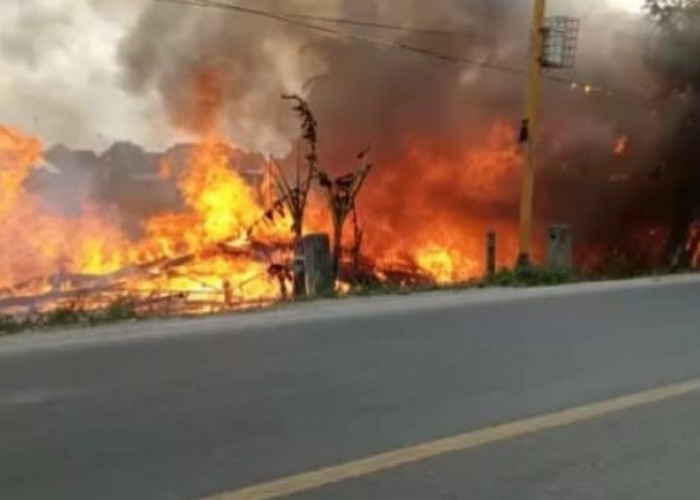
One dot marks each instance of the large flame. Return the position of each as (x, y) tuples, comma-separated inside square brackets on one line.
[(210, 237), (433, 212), (421, 215), (222, 209), (35, 242)]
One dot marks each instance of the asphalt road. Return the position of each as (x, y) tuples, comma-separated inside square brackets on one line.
[(184, 410)]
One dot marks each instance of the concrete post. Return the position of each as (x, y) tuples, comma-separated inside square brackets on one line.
[(319, 265), (560, 247), (491, 245), (298, 270), (228, 293)]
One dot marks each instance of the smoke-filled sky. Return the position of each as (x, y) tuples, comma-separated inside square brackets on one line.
[(89, 72)]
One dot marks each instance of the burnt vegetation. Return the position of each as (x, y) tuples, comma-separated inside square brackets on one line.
[(674, 56)]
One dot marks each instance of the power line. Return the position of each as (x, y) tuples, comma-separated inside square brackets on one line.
[(455, 32), (255, 12), (339, 34), (305, 22), (383, 26)]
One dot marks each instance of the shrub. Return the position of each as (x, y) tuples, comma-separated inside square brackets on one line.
[(532, 276)]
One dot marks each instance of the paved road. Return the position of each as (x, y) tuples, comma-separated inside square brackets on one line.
[(189, 409)]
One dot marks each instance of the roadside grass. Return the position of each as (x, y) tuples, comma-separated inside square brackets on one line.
[(69, 315), (532, 277), (10, 325), (379, 289)]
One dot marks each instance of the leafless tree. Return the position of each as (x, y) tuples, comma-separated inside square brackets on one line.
[(294, 193), (341, 195)]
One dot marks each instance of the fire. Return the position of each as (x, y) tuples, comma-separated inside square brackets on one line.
[(222, 206), (438, 263), (214, 232), (225, 205), (203, 251), (426, 217), (19, 154), (620, 146), (430, 212), (34, 242), (222, 210), (100, 247)]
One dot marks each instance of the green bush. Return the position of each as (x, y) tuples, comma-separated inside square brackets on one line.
[(63, 316), (10, 325), (119, 310), (532, 276)]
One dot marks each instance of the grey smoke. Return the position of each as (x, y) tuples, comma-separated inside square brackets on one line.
[(351, 84), (132, 75), (396, 100), (354, 82), (59, 73)]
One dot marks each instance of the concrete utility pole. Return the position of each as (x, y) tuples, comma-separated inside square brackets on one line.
[(531, 125)]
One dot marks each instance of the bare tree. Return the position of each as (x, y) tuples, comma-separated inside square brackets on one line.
[(295, 193), (341, 194)]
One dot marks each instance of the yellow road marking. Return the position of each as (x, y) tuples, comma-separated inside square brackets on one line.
[(462, 442)]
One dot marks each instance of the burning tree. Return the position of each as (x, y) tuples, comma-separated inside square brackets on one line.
[(341, 194), (294, 196)]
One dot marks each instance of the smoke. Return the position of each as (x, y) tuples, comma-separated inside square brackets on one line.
[(433, 124), (442, 133), (59, 73), (355, 82), (349, 81)]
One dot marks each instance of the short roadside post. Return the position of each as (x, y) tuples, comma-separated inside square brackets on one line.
[(491, 245), (318, 265), (560, 247)]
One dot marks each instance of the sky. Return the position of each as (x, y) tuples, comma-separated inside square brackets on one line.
[(60, 77), (629, 5)]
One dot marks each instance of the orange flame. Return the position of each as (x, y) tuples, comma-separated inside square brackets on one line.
[(620, 146), (424, 216), (222, 206), (429, 212), (19, 154), (35, 242)]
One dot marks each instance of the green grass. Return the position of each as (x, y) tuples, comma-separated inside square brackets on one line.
[(377, 289), (532, 276), (9, 325), (119, 310), (63, 316), (526, 277)]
